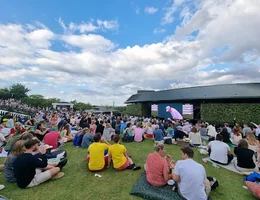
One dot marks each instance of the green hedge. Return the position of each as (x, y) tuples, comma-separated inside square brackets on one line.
[(136, 110), (227, 112)]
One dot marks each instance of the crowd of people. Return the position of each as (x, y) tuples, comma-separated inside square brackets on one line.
[(18, 105), (34, 155)]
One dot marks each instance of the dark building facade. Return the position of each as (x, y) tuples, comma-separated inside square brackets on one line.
[(242, 98)]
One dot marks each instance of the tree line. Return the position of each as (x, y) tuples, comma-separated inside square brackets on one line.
[(20, 92)]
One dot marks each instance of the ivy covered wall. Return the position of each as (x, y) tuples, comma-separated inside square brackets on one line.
[(138, 110), (227, 112)]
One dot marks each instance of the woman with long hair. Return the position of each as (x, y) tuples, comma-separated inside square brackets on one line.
[(40, 131), (18, 129), (236, 136), (195, 137), (108, 132), (148, 130), (66, 133), (17, 149), (54, 120), (253, 143)]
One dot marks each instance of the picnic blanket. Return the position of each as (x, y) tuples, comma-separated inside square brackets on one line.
[(146, 191), (3, 154), (229, 167)]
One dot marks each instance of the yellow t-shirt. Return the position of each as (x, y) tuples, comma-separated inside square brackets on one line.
[(117, 153), (96, 151)]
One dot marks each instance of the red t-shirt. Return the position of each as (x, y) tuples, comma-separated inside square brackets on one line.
[(52, 139), (12, 131), (155, 168)]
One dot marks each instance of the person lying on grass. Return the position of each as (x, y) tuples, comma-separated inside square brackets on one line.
[(97, 154), (157, 166), (31, 170), (117, 153)]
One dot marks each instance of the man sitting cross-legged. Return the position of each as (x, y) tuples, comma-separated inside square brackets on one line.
[(31, 170), (97, 158), (117, 153), (191, 177)]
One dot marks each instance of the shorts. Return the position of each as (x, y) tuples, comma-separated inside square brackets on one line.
[(106, 164), (124, 166), (40, 177)]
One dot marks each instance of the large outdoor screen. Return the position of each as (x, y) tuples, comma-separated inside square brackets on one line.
[(154, 110), (160, 110)]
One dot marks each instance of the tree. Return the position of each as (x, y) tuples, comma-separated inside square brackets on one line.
[(5, 93), (34, 100), (81, 106), (39, 100), (18, 91)]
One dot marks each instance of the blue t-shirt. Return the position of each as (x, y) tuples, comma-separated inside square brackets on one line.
[(122, 127), (22, 121), (158, 135)]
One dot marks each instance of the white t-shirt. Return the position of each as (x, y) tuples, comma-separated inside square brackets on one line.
[(219, 151), (192, 177)]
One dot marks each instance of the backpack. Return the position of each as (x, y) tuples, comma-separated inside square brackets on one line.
[(253, 177), (213, 182), (168, 141)]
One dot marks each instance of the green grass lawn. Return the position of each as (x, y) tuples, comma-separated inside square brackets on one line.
[(79, 184)]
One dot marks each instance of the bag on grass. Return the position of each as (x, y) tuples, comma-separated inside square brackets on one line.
[(78, 140), (253, 177), (168, 141), (213, 182)]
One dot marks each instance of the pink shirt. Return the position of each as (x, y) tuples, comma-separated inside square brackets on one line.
[(156, 166), (93, 128), (138, 134)]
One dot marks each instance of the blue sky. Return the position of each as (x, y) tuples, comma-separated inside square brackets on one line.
[(134, 28), (103, 51)]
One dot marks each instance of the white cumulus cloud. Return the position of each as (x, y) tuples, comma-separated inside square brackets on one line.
[(150, 10)]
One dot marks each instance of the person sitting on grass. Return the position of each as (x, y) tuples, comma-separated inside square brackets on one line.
[(53, 139), (40, 131), (117, 153), (179, 134), (108, 132), (66, 133), (17, 149), (138, 133), (18, 129), (158, 135), (236, 136), (31, 170), (127, 135), (157, 167), (87, 139), (219, 151), (190, 177), (245, 160), (148, 130), (97, 159), (225, 134), (169, 130), (253, 143), (195, 137)]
